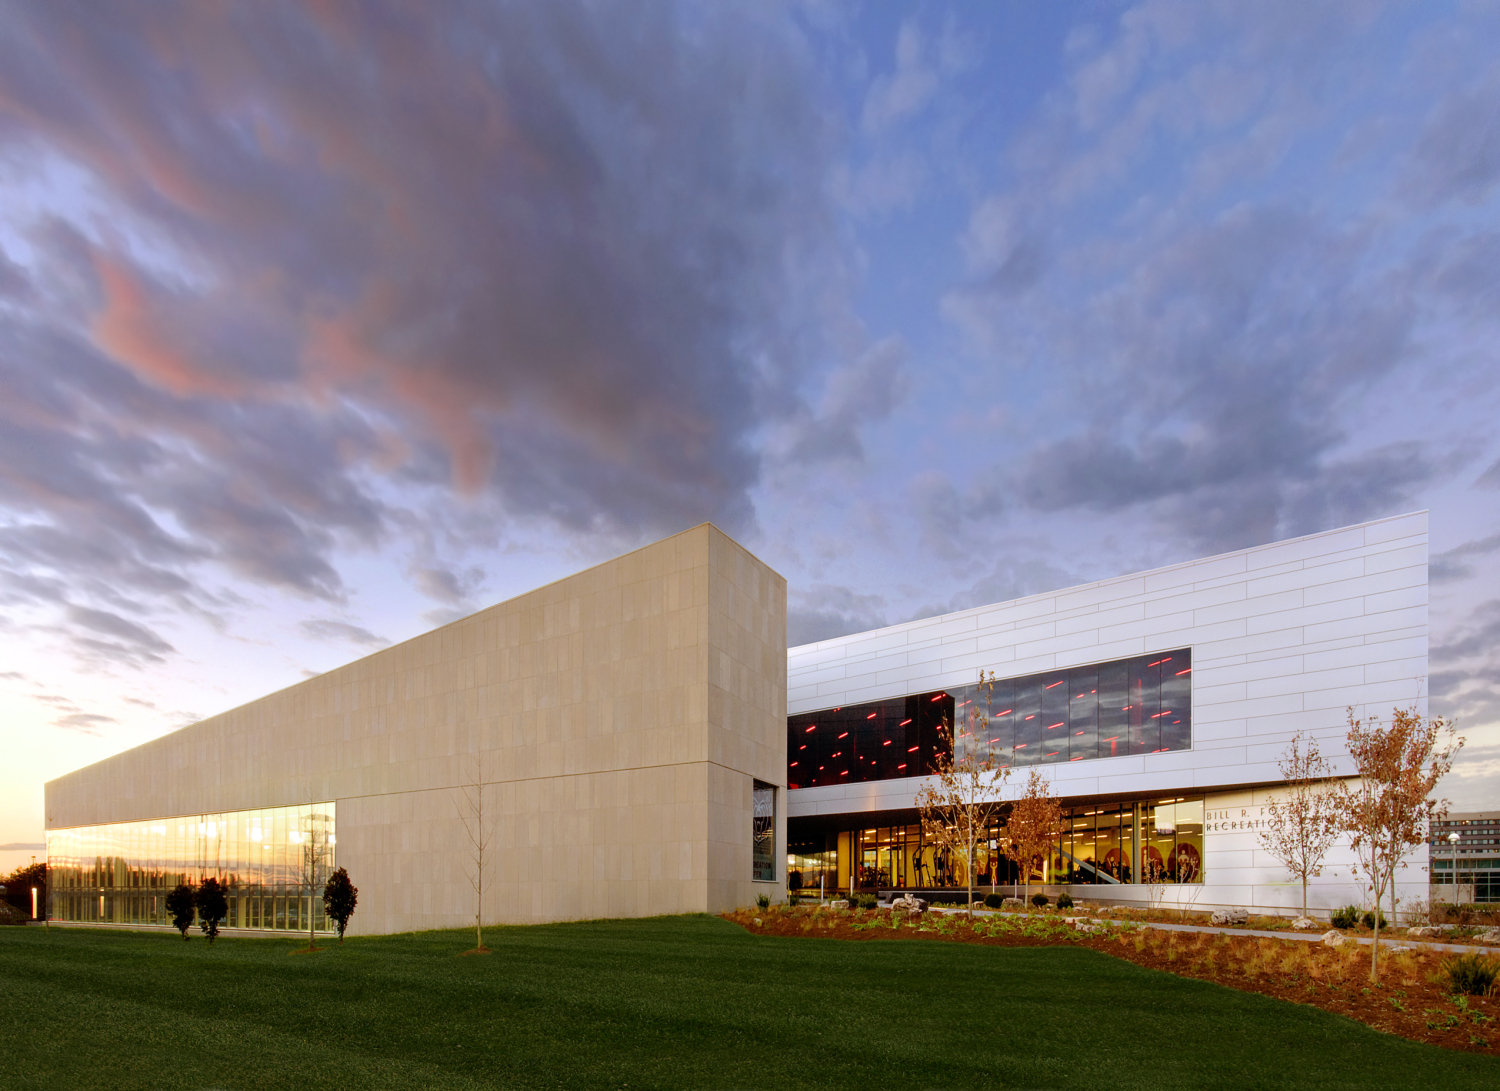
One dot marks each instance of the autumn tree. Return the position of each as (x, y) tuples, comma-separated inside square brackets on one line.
[(340, 896), (1389, 809), (180, 908), (471, 813), (1033, 827), (962, 800), (212, 905), (1304, 818)]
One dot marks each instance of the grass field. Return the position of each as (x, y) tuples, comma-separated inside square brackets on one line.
[(680, 1002)]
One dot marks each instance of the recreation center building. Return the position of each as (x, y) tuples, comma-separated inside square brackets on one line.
[(637, 739)]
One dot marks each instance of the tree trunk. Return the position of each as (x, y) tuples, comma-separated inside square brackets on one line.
[(1304, 894)]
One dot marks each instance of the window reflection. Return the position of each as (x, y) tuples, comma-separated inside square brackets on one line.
[(121, 873), (1133, 706)]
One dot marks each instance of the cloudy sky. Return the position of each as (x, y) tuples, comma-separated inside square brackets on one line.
[(323, 323)]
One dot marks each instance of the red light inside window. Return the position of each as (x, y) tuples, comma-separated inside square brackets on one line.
[(814, 727), (886, 743), (901, 766), (792, 765), (871, 716), (903, 723), (845, 735), (1188, 671), (1058, 724), (1054, 685), (911, 749)]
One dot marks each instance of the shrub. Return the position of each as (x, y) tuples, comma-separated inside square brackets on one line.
[(180, 908), (763, 901), (868, 901), (1065, 901), (340, 896), (1472, 974), (1369, 919), (993, 901), (794, 899), (213, 907), (1039, 900), (1347, 917)]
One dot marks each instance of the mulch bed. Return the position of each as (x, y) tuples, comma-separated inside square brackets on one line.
[(1411, 1001)]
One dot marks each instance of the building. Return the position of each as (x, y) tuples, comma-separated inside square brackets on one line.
[(627, 724), (646, 743), (1465, 857), (1157, 704)]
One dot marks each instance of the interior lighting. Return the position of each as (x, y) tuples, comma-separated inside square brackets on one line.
[(901, 766), (1058, 724), (814, 727), (845, 735), (940, 696), (903, 723), (793, 763), (911, 749), (1188, 671), (1032, 716), (871, 716), (886, 743), (1054, 685)]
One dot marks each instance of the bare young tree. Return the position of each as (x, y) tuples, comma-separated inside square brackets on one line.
[(958, 807), (314, 836), (477, 828), (1389, 809), (1304, 819), (1033, 827)]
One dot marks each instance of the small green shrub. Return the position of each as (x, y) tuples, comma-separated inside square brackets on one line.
[(1347, 917), (993, 901), (794, 899), (763, 901), (1369, 919), (1039, 900), (1472, 974), (1065, 901), (868, 901)]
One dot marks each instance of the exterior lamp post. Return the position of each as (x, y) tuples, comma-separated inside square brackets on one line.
[(1453, 860)]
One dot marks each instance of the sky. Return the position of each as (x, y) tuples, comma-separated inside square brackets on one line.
[(324, 323)]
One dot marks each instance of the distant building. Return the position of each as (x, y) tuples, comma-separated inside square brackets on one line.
[(1466, 870)]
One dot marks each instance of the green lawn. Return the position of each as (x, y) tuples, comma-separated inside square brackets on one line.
[(690, 1002)]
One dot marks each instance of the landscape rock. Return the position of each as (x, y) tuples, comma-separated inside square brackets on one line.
[(1334, 938), (839, 903), (1083, 924), (912, 907), (1223, 917), (1012, 903), (1489, 935), (1424, 930), (1304, 924)]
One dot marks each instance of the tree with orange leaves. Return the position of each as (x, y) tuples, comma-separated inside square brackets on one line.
[(1034, 826), (1390, 808), (962, 801), (1303, 824)]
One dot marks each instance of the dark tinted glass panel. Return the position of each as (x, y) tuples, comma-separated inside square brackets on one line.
[(1083, 713), (1132, 706)]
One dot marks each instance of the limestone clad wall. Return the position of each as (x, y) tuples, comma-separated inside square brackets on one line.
[(616, 718)]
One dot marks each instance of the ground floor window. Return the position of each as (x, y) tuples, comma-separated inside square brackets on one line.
[(1156, 841), (273, 861)]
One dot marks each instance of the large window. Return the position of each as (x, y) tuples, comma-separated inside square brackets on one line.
[(1131, 706), (270, 860), (1156, 842)]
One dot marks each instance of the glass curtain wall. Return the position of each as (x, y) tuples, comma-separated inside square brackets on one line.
[(122, 873), (1133, 706), (1155, 841)]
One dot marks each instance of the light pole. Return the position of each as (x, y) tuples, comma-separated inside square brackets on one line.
[(1453, 861)]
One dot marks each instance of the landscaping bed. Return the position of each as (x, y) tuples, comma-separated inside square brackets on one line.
[(1414, 999)]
